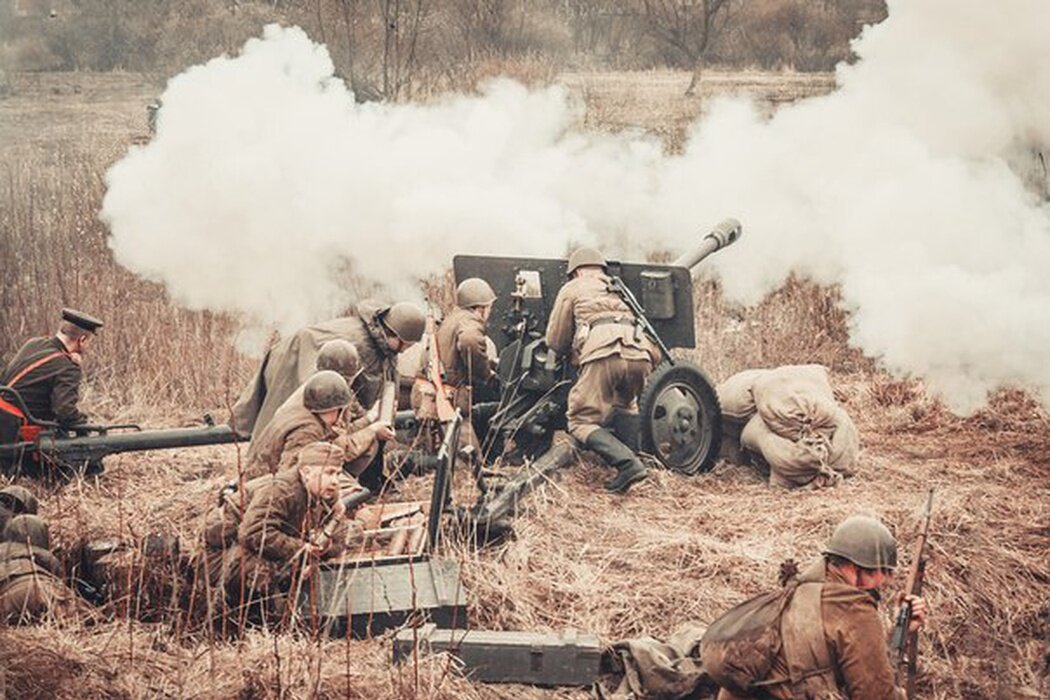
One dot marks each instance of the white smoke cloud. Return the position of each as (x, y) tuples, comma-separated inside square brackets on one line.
[(264, 177)]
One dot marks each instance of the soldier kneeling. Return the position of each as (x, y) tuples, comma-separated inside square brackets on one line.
[(277, 540), (31, 584)]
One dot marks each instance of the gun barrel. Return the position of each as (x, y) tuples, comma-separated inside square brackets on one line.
[(138, 441), (724, 234)]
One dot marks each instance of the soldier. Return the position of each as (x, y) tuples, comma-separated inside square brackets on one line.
[(316, 412), (462, 344), (834, 642), (46, 373), (614, 357), (16, 500), (31, 584), (274, 538), (379, 332)]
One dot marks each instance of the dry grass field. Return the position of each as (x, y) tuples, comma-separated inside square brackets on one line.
[(675, 549)]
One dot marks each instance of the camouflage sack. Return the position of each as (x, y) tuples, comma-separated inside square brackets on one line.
[(796, 401), (735, 397)]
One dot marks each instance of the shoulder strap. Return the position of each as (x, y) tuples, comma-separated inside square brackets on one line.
[(33, 365), (806, 653)]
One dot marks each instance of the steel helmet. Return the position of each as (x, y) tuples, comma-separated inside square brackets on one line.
[(28, 528), (864, 541), (583, 257), (325, 391), (340, 356), (406, 321), (19, 499), (474, 291)]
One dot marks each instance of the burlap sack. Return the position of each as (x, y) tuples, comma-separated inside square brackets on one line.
[(791, 463), (796, 401), (845, 444), (735, 397)]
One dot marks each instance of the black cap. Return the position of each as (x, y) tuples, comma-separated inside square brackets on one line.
[(81, 320)]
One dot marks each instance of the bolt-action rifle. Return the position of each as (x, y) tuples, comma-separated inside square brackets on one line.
[(904, 645)]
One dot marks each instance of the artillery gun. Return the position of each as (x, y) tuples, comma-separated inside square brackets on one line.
[(678, 420)]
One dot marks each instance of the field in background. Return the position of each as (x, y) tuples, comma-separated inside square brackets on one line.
[(676, 549)]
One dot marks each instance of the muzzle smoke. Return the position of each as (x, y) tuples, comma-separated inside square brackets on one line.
[(266, 187)]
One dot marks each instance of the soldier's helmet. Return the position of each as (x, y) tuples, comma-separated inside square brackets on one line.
[(325, 391), (320, 454), (28, 528), (864, 541), (19, 499), (585, 256), (340, 356), (407, 321), (474, 291)]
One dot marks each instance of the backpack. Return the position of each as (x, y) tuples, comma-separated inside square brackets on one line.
[(739, 649)]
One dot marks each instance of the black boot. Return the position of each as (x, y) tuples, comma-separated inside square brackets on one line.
[(629, 468)]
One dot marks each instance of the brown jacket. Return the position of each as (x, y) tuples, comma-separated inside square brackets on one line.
[(462, 348), (855, 638), (293, 360), (293, 427), (593, 323), (50, 391)]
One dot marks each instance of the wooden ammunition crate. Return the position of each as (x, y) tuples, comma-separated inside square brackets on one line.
[(536, 658)]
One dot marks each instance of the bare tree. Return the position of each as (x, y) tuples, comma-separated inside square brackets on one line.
[(687, 28)]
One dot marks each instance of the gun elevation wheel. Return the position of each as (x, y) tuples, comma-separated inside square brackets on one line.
[(681, 420)]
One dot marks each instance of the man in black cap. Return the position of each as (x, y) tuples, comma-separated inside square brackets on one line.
[(46, 373)]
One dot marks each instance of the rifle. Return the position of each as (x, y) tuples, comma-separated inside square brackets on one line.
[(435, 371), (320, 538), (905, 645), (616, 286)]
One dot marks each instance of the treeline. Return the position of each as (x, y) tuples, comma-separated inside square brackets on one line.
[(397, 48)]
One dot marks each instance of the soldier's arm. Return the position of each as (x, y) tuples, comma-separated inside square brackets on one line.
[(295, 441), (358, 442), (262, 529), (472, 346), (561, 326), (65, 393), (858, 638)]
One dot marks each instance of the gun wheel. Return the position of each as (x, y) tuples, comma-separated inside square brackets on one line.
[(681, 420)]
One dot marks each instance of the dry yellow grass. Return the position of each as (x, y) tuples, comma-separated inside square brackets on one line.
[(674, 549)]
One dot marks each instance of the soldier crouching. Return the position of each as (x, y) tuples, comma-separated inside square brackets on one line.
[(31, 586), (276, 541)]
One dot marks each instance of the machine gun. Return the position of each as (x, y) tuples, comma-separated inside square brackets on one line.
[(47, 448), (679, 417)]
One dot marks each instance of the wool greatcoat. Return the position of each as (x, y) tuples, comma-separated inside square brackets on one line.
[(600, 334), (293, 427), (293, 360), (853, 638), (51, 390)]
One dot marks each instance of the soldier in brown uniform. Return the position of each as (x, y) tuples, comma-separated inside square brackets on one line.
[(46, 373), (600, 333), (274, 543), (31, 584), (378, 331), (462, 343), (316, 412), (833, 639)]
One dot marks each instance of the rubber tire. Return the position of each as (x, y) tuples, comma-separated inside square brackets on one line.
[(687, 373)]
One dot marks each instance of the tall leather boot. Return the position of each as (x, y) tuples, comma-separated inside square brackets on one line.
[(629, 468)]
